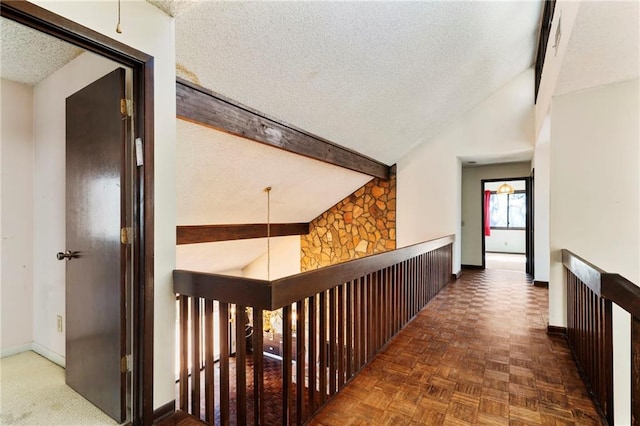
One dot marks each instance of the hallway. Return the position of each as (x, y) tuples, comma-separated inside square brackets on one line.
[(477, 354)]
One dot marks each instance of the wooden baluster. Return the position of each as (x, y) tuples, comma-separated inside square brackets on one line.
[(223, 312), (384, 306), (209, 367), (421, 282), (416, 283), (393, 277), (409, 290), (322, 346), (429, 278), (363, 322), (380, 310), (287, 382), (332, 342), (258, 367), (635, 371), (357, 314), (184, 353), (313, 353), (241, 365), (300, 361), (375, 314), (349, 324), (341, 324), (195, 356), (607, 352), (390, 302), (371, 331), (397, 277)]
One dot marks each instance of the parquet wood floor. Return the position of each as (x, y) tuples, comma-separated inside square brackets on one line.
[(477, 354)]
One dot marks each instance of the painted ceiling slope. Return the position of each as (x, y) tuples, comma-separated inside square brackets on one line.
[(220, 179), (376, 77), (219, 257), (604, 47), (28, 56)]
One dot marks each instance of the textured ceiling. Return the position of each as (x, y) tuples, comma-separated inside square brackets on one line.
[(221, 179), (377, 77), (28, 56), (604, 47), (174, 7)]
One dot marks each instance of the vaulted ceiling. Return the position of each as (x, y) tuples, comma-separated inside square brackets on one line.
[(377, 77)]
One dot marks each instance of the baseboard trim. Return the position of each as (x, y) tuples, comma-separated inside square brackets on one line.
[(49, 354), (456, 276), (472, 267), (164, 411), (554, 329), (15, 350), (544, 284)]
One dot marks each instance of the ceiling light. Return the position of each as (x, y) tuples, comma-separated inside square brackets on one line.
[(505, 188)]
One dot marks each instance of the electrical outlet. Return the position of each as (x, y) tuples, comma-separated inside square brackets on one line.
[(59, 323)]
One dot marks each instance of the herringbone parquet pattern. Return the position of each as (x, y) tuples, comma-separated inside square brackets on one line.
[(477, 354)]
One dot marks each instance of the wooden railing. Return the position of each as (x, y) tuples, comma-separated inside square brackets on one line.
[(590, 294), (334, 321)]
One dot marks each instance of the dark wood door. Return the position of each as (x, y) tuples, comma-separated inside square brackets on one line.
[(529, 237), (95, 321)]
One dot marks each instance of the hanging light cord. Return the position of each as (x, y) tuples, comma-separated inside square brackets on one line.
[(268, 191), (118, 29)]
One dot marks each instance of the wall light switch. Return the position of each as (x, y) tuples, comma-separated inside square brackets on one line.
[(59, 323)]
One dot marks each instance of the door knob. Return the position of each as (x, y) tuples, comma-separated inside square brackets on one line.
[(66, 255)]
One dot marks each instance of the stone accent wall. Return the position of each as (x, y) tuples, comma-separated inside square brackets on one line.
[(362, 224)]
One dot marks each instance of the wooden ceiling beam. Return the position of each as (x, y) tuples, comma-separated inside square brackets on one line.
[(202, 106), (193, 234)]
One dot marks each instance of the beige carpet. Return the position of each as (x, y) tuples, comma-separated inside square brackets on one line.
[(33, 392), (505, 261)]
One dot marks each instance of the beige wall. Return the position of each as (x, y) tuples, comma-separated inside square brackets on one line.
[(16, 292), (594, 201), (284, 260), (430, 177)]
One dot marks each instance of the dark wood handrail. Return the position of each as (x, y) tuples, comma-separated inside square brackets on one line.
[(614, 287), (275, 294)]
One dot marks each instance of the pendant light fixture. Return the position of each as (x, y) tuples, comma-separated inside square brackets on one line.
[(505, 188)]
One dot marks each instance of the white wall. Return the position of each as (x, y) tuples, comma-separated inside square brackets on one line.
[(285, 260), (541, 206), (594, 201), (49, 197), (148, 29), (16, 294), (505, 241), (429, 177), (472, 230)]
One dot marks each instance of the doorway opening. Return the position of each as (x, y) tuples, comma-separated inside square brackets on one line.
[(91, 55), (506, 219)]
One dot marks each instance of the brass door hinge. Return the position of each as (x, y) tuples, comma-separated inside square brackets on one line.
[(126, 107), (125, 364), (126, 235)]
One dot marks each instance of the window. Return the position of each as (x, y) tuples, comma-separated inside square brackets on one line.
[(508, 211)]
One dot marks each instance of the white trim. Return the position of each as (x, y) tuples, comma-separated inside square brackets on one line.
[(15, 350), (49, 354)]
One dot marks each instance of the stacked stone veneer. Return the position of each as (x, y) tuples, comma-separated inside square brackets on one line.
[(362, 224)]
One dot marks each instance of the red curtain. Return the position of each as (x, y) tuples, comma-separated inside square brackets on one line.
[(487, 213)]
